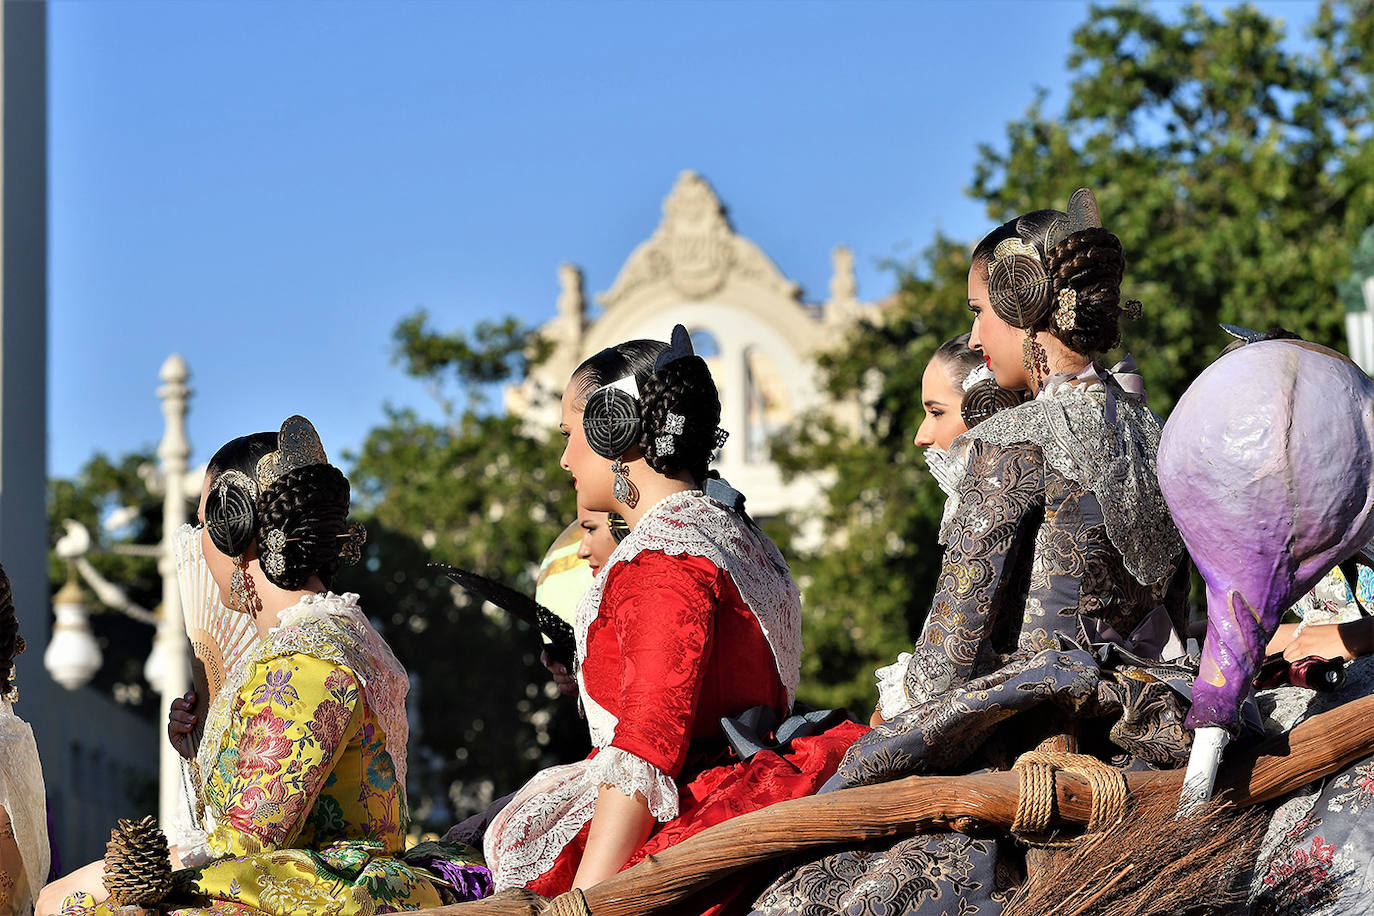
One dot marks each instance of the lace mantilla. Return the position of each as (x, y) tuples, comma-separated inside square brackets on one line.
[(892, 698), (693, 524), (333, 628), (948, 470), (23, 797), (1068, 423)]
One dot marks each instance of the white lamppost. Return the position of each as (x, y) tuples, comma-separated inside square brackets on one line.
[(171, 674), (72, 656)]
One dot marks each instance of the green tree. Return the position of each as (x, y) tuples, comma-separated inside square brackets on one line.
[(1239, 175), (479, 490)]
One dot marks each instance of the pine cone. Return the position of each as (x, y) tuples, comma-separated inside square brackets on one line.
[(138, 868)]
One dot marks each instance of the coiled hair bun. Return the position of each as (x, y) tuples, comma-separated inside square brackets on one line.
[(984, 399), (682, 388), (1090, 263), (231, 515), (309, 506)]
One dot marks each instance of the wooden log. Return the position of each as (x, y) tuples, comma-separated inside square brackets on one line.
[(1318, 747)]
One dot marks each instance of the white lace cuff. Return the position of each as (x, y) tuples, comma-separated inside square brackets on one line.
[(892, 698), (628, 774)]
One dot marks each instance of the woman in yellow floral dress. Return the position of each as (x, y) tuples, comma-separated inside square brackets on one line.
[(301, 765)]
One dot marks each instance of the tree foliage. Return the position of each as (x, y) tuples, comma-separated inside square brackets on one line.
[(1237, 172), (1239, 175), (477, 490)]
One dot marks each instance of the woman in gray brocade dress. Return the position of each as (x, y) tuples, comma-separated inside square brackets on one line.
[(1063, 586)]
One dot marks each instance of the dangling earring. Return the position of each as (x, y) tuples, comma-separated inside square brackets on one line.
[(623, 489), (242, 594), (1034, 358)]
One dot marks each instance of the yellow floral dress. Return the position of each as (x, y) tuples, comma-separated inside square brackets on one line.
[(308, 808)]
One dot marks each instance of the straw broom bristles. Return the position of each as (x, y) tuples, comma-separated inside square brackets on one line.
[(1152, 863)]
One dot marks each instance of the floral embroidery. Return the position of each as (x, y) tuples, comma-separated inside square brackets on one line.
[(309, 807), (276, 688), (1303, 873), (328, 723), (264, 744), (259, 811)]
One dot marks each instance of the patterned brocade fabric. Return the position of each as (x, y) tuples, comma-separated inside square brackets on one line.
[(1030, 578), (309, 814), (1062, 582)]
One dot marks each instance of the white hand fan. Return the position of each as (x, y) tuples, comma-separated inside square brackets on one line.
[(219, 637)]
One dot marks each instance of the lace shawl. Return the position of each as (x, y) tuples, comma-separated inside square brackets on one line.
[(23, 796), (330, 627), (1070, 425), (693, 524)]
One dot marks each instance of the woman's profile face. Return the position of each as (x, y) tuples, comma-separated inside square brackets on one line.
[(597, 541), (591, 473), (941, 399), (1000, 343), (221, 567)]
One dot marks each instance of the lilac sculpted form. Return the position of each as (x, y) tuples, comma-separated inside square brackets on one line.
[(1266, 465)]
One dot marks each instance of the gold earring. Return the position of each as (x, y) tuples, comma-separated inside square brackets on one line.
[(623, 489)]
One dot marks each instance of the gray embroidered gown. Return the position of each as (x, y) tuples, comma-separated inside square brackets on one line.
[(1063, 582)]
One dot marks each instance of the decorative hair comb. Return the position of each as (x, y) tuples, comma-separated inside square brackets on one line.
[(1083, 214), (298, 446), (680, 347)]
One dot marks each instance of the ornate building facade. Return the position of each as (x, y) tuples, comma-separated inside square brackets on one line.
[(747, 320)]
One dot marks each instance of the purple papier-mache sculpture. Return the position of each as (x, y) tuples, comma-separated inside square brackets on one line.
[(1267, 464)]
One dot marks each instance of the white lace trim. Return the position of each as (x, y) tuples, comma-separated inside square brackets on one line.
[(1068, 423), (629, 773), (525, 838), (333, 628), (23, 797), (948, 470), (892, 698), (693, 524)]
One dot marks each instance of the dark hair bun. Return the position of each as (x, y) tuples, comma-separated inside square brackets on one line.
[(984, 399), (231, 513), (681, 389), (1018, 286), (309, 506), (1090, 263), (611, 421)]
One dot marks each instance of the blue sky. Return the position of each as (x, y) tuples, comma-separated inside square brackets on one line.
[(267, 188)]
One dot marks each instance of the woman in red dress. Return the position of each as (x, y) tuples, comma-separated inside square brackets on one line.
[(695, 618)]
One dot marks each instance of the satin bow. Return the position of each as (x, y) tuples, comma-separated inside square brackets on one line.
[(1124, 378)]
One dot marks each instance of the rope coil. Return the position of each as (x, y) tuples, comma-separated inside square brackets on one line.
[(1035, 806), (569, 903)]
